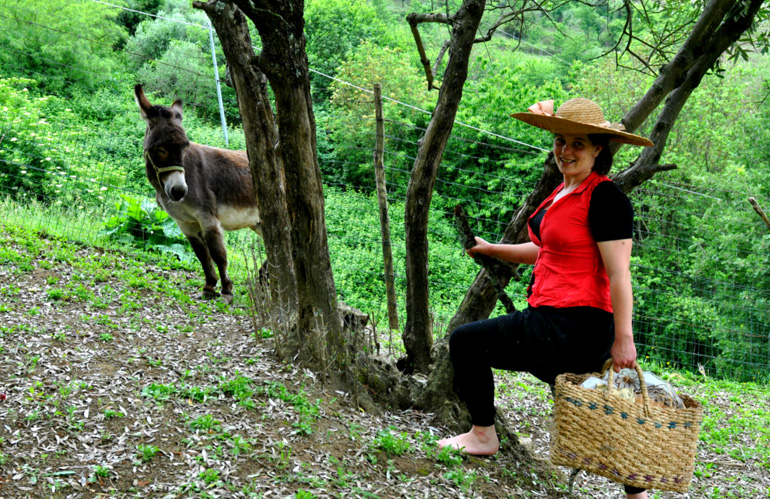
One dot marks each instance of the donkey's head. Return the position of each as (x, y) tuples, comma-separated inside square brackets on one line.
[(165, 142)]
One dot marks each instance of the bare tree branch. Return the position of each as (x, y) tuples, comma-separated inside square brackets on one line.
[(760, 212), (626, 29), (430, 17), (642, 60), (414, 20), (493, 266), (440, 57)]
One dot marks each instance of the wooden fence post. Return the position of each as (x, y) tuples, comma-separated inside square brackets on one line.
[(382, 199)]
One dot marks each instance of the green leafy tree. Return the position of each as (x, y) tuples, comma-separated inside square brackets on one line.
[(172, 58), (334, 28), (131, 19), (346, 152), (70, 43)]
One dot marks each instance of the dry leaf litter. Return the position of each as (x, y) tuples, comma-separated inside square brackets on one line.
[(76, 401)]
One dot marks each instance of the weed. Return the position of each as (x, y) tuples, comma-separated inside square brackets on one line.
[(264, 333), (56, 294), (99, 471), (10, 291), (394, 445), (197, 393), (106, 337), (110, 414), (146, 452), (159, 392), (81, 293), (239, 387), (427, 440), (206, 423), (461, 478), (154, 362), (282, 457), (240, 445), (209, 476), (449, 457), (302, 427)]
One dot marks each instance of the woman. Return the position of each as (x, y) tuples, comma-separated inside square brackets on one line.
[(580, 299)]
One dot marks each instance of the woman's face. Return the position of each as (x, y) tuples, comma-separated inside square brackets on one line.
[(575, 154)]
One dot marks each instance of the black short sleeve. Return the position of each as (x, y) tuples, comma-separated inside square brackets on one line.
[(610, 214)]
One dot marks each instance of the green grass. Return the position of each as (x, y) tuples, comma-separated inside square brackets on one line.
[(747, 408)]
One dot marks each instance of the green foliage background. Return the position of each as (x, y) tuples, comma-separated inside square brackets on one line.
[(70, 143)]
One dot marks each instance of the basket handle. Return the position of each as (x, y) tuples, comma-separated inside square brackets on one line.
[(611, 383)]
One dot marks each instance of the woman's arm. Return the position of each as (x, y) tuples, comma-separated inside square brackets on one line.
[(617, 261), (516, 253)]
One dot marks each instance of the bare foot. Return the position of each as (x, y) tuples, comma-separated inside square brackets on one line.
[(480, 441), (641, 495)]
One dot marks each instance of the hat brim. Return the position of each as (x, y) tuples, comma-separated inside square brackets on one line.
[(568, 127)]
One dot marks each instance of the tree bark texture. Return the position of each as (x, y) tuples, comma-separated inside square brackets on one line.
[(283, 61), (259, 126), (418, 332)]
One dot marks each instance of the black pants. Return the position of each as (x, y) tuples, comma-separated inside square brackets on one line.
[(543, 341)]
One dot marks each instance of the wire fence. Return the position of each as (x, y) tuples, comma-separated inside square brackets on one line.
[(691, 309)]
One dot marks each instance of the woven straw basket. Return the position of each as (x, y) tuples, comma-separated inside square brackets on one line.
[(641, 445)]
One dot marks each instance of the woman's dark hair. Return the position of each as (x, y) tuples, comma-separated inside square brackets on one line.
[(603, 162)]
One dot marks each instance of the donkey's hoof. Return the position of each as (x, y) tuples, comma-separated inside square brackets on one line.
[(226, 298), (209, 294)]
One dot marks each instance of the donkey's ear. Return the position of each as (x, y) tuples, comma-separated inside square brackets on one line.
[(142, 102), (176, 107)]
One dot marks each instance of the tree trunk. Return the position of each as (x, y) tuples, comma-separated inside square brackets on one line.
[(283, 61), (418, 332), (266, 164)]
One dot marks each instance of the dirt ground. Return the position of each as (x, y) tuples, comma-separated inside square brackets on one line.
[(117, 384)]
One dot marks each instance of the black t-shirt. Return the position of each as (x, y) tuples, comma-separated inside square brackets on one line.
[(610, 214)]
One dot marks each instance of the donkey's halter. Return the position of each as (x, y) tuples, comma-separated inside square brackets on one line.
[(158, 171)]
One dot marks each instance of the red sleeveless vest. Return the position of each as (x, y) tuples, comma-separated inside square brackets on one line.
[(569, 271)]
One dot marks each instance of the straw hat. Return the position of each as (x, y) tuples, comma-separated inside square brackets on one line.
[(575, 117)]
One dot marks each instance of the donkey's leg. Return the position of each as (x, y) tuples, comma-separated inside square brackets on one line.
[(215, 242), (194, 234)]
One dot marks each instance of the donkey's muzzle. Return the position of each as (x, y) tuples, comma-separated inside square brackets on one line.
[(176, 187), (177, 192)]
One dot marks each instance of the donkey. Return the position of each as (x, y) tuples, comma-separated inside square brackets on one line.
[(204, 189)]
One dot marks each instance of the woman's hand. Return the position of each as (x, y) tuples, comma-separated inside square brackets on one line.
[(482, 247), (623, 352)]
